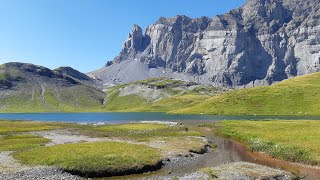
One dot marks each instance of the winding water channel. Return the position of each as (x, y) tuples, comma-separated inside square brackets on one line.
[(227, 151)]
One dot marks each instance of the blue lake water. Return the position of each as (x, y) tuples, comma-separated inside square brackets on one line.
[(114, 118)]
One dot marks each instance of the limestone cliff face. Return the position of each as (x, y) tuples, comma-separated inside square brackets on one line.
[(263, 42)]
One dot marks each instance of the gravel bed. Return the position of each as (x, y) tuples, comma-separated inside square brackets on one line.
[(8, 163), (64, 137), (39, 173)]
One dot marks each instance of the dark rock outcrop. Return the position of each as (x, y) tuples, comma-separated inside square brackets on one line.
[(263, 42)]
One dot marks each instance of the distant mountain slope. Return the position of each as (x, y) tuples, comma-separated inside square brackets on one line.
[(263, 42), (31, 88), (297, 96), (78, 76), (157, 94)]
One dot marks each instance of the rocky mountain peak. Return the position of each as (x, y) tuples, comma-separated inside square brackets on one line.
[(135, 39), (266, 15), (260, 43), (177, 20)]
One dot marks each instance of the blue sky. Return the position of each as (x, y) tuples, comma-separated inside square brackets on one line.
[(84, 34)]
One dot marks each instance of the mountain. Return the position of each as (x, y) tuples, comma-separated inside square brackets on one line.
[(260, 43), (296, 96), (31, 88)]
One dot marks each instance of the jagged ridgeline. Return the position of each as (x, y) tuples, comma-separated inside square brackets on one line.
[(261, 43), (31, 88)]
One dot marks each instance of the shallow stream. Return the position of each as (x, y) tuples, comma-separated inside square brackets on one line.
[(227, 151)]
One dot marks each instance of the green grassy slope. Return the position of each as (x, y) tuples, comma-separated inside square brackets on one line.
[(156, 95), (297, 96), (31, 88)]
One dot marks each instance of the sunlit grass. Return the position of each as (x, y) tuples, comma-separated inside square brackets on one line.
[(9, 127), (296, 140), (14, 137), (142, 146), (94, 159), (178, 102), (297, 96), (168, 139), (137, 131), (176, 95), (21, 142)]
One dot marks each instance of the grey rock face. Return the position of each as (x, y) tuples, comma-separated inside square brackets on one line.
[(263, 42)]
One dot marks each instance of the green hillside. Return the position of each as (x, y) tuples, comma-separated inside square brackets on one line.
[(297, 96), (31, 88), (156, 95)]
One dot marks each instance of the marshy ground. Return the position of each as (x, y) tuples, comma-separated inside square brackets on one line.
[(94, 151), (58, 150)]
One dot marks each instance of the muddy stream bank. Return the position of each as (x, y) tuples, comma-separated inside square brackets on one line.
[(227, 151)]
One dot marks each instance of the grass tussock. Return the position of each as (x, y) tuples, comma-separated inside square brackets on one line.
[(94, 159), (296, 140)]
